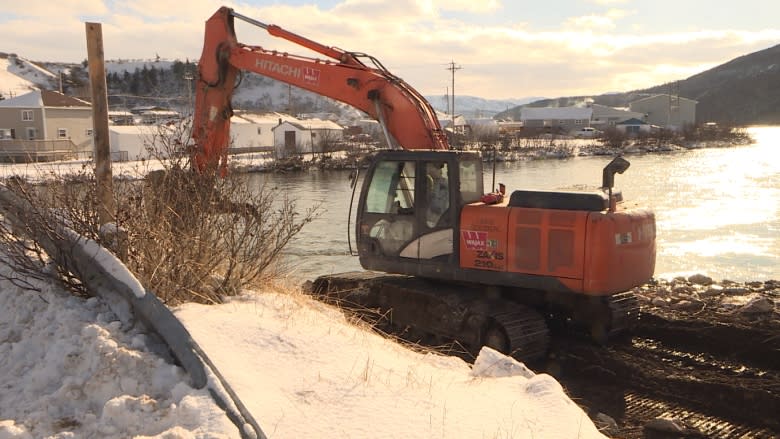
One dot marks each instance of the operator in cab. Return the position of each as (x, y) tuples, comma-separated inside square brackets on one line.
[(438, 192)]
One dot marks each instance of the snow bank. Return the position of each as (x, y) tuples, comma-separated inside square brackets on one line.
[(67, 370), (303, 370)]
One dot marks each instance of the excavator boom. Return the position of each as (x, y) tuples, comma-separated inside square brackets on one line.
[(407, 118)]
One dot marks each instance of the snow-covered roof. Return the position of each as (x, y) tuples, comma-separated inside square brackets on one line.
[(262, 118), (133, 129), (664, 96), (632, 121), (557, 113), (43, 98), (314, 124)]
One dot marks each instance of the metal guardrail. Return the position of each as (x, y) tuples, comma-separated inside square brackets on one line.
[(83, 257)]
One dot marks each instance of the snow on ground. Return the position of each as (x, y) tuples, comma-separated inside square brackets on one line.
[(67, 370), (43, 170), (304, 371), (301, 368)]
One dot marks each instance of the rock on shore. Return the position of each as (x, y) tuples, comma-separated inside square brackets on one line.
[(699, 295)]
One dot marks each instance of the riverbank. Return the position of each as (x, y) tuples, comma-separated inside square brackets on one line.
[(743, 303), (541, 148)]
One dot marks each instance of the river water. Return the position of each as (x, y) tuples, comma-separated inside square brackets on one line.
[(717, 209)]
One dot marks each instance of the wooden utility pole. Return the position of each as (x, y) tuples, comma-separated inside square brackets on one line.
[(97, 80), (453, 68)]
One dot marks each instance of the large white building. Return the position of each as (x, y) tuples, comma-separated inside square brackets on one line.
[(670, 111)]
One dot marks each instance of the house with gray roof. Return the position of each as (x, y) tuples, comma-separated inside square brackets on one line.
[(44, 125), (633, 127)]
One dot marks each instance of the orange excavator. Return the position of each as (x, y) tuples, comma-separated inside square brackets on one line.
[(444, 257)]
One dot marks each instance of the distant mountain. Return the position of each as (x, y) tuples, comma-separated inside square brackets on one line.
[(472, 106), (743, 91)]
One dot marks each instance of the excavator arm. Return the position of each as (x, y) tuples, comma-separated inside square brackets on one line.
[(407, 118)]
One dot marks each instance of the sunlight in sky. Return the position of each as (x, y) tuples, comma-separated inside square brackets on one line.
[(579, 47)]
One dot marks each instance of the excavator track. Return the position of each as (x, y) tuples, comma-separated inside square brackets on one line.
[(624, 308), (525, 332), (453, 314)]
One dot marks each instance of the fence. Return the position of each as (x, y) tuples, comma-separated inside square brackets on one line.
[(25, 151)]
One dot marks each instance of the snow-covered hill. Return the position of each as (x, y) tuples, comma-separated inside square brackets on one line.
[(19, 75)]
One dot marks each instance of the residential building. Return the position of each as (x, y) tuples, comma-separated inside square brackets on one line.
[(633, 127), (555, 119), (44, 125), (157, 117), (305, 136), (670, 111), (129, 142), (482, 128), (119, 117), (254, 131), (604, 117)]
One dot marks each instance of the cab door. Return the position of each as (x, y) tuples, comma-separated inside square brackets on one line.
[(388, 211), (434, 216)]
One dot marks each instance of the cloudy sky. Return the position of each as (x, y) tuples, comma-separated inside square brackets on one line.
[(505, 48)]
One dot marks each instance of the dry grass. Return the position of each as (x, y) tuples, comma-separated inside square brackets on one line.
[(186, 236)]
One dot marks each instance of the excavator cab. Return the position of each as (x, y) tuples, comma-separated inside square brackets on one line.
[(409, 210)]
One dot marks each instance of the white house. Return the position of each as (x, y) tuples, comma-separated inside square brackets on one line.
[(254, 131), (305, 136), (563, 119), (128, 142), (482, 127)]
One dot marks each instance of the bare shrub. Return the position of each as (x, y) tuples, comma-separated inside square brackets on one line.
[(613, 138), (186, 236)]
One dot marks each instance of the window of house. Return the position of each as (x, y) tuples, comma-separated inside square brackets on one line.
[(32, 133), (5, 133), (561, 122), (27, 115), (259, 130), (88, 132), (578, 121), (62, 133)]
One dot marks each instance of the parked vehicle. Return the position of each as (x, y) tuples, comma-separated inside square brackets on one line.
[(587, 132)]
